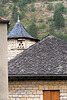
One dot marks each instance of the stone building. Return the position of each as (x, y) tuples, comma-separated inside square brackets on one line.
[(4, 23), (40, 72), (19, 40)]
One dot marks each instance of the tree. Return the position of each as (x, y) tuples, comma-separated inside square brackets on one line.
[(14, 13), (14, 1), (59, 6), (4, 1), (32, 7), (23, 3), (50, 7), (41, 20), (52, 28), (58, 19), (32, 29)]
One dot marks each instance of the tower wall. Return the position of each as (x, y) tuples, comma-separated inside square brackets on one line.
[(17, 46)]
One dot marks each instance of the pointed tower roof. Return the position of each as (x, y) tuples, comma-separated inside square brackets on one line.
[(19, 32)]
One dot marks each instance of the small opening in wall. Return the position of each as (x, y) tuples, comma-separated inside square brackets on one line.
[(20, 45)]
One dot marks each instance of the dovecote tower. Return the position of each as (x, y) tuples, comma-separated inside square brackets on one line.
[(19, 40)]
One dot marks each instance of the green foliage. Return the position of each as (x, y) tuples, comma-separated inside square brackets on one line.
[(49, 19), (41, 20), (65, 11), (52, 28), (14, 13), (50, 7), (14, 1), (22, 14), (34, 19), (60, 7), (10, 7), (61, 36), (5, 1), (11, 27), (58, 19), (23, 3), (43, 36), (43, 26), (1, 6), (33, 30), (58, 16), (49, 0), (3, 13), (32, 8)]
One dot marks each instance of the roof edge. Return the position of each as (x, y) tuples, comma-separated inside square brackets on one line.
[(23, 38), (36, 77), (5, 22)]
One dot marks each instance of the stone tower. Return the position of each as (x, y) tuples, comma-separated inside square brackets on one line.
[(19, 40)]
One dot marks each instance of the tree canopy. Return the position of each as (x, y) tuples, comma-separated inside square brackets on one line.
[(32, 29), (60, 7), (58, 18), (14, 13)]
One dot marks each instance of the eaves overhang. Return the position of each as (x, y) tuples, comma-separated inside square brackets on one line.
[(33, 39), (5, 22), (37, 77)]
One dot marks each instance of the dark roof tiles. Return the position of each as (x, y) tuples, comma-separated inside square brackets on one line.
[(47, 57), (19, 32)]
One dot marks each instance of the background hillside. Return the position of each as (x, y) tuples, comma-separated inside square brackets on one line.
[(37, 16)]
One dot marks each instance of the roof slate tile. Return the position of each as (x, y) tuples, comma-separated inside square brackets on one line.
[(47, 57)]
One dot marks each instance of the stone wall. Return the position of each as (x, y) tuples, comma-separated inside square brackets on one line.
[(3, 61), (17, 46), (33, 90)]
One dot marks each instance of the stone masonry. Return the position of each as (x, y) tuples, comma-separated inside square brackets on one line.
[(13, 45), (3, 60), (33, 90)]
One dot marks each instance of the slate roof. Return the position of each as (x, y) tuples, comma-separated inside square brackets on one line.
[(19, 32), (47, 57)]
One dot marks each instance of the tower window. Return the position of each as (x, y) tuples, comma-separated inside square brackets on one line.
[(20, 45)]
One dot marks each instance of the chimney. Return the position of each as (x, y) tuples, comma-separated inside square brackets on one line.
[(3, 59)]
